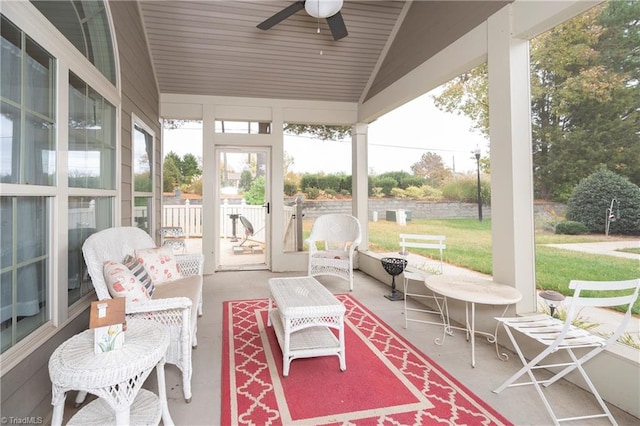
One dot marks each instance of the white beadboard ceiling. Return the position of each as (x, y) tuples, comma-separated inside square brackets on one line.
[(214, 47)]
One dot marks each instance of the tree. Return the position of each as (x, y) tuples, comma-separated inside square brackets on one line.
[(255, 195), (170, 174), (432, 169), (585, 98), (246, 178), (189, 167)]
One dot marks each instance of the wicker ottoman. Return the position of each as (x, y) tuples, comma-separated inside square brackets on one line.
[(302, 317)]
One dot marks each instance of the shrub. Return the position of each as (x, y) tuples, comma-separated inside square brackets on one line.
[(376, 191), (569, 227), (465, 190), (398, 193), (592, 197), (290, 187), (413, 192), (431, 193), (312, 193), (386, 183)]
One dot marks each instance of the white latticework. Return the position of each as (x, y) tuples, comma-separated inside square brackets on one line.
[(332, 244), (174, 310)]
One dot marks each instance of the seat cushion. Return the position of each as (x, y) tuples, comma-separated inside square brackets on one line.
[(160, 264), (332, 254), (190, 287), (122, 283)]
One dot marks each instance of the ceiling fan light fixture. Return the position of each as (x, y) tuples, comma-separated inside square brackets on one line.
[(322, 8)]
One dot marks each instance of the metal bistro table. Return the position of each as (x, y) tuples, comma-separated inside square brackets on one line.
[(116, 377), (472, 290)]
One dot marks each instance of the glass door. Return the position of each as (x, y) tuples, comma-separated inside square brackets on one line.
[(243, 179)]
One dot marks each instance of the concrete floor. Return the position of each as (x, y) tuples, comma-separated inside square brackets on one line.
[(521, 405)]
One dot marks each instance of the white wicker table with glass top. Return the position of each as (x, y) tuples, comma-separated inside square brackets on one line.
[(302, 317), (115, 377), (472, 290)]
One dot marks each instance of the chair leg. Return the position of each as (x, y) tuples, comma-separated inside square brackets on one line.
[(572, 367)]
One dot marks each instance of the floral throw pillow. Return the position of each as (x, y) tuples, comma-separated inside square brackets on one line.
[(139, 272), (160, 264), (122, 283)]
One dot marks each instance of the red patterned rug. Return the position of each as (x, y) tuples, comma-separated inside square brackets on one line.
[(387, 381)]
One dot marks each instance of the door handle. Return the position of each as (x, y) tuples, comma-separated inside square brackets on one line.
[(267, 206)]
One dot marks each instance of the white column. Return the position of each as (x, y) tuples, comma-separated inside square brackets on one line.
[(359, 180), (511, 159), (210, 168)]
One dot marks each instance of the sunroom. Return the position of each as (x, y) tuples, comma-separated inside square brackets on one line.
[(114, 70)]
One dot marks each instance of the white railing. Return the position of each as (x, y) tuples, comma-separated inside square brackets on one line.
[(189, 218), (254, 214), (186, 216)]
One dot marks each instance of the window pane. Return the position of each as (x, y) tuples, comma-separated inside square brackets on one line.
[(39, 77), (10, 125), (39, 169), (142, 212), (92, 122), (11, 60), (25, 277), (86, 216), (28, 145), (84, 23), (142, 157)]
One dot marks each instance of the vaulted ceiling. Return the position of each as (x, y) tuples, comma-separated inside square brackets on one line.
[(215, 48)]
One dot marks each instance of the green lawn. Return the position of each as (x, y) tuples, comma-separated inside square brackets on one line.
[(469, 246)]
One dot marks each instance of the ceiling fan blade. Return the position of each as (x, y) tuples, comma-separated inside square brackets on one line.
[(337, 26), (281, 16)]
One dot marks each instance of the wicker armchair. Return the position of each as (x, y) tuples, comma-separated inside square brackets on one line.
[(172, 303), (332, 245)]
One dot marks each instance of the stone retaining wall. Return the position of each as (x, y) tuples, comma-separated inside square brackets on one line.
[(422, 209)]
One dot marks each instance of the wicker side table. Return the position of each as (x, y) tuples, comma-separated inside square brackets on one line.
[(116, 377)]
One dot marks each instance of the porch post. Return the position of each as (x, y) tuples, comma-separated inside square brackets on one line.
[(511, 159), (360, 180)]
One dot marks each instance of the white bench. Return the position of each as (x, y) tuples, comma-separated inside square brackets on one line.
[(418, 241)]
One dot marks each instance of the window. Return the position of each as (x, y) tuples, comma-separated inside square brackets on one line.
[(92, 164), (92, 141), (243, 127), (85, 24), (24, 267), (27, 121), (87, 215), (142, 177)]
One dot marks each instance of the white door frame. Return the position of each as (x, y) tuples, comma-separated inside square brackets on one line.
[(240, 149)]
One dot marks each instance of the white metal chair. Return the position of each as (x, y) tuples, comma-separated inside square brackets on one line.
[(332, 244), (558, 335), (433, 242), (175, 304)]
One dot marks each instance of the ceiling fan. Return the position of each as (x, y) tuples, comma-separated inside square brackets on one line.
[(328, 9)]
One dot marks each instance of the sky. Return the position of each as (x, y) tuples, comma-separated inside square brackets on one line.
[(396, 141)]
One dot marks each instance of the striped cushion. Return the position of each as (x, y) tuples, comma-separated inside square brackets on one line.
[(139, 272)]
